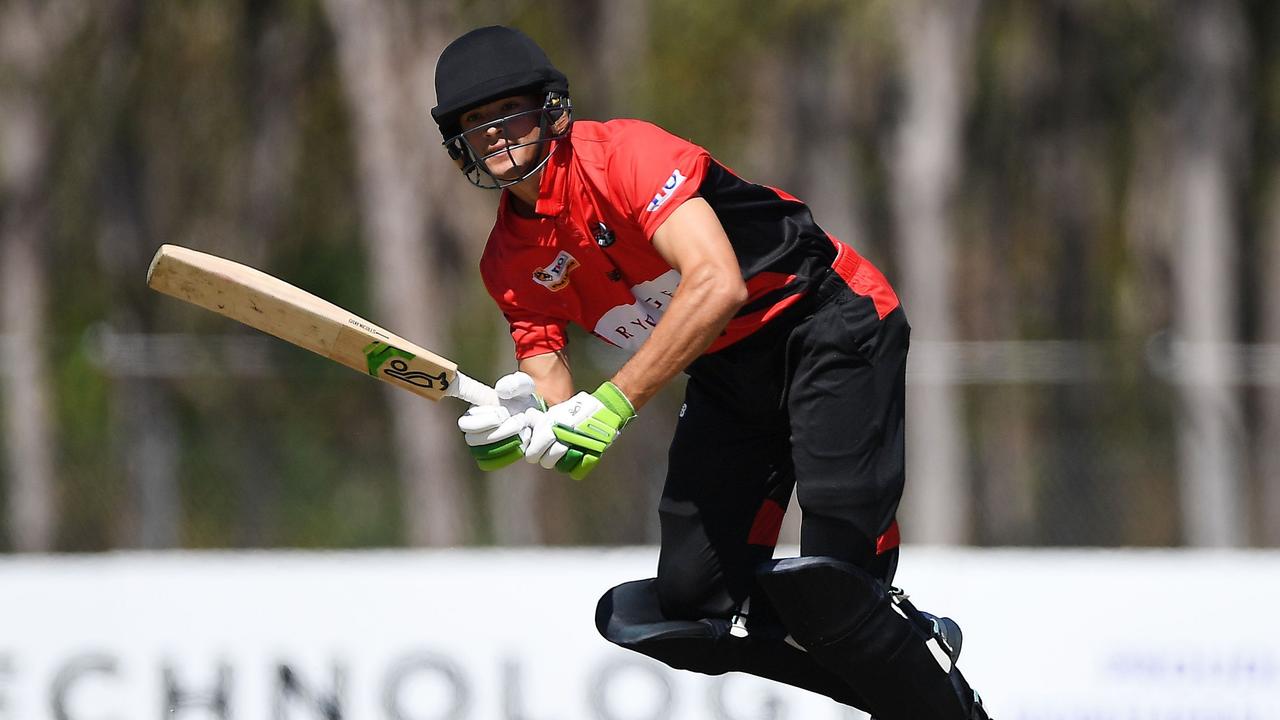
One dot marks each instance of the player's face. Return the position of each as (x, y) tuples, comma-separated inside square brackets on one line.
[(499, 141)]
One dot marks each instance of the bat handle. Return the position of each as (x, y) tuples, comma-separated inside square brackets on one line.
[(472, 390)]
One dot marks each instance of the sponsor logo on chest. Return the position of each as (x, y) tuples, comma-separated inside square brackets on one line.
[(628, 326), (555, 276), (668, 188)]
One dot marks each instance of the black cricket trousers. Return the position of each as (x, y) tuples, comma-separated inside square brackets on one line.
[(813, 401)]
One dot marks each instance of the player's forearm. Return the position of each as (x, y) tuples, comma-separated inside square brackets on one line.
[(551, 375), (701, 307)]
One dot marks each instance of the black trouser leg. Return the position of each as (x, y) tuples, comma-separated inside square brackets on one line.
[(817, 403), (847, 404), (729, 481)]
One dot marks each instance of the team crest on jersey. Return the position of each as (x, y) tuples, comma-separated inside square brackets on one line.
[(555, 276)]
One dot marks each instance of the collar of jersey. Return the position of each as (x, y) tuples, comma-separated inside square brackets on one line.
[(553, 190)]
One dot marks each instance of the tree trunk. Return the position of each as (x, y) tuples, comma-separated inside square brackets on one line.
[(386, 56), (28, 431), (1209, 139), (616, 45), (31, 35), (935, 41), (144, 424), (143, 438), (278, 46), (821, 115), (1004, 442), (1268, 438)]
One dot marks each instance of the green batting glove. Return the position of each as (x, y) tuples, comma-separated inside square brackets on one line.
[(572, 435), (494, 456), (496, 434)]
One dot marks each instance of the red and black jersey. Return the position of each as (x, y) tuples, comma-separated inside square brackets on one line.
[(588, 259)]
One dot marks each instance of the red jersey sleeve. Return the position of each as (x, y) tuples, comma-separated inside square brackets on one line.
[(535, 336), (534, 333), (652, 172)]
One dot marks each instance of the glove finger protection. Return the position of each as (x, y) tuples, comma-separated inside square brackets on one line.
[(544, 449), (517, 393), (554, 455), (541, 437), (510, 427), (483, 418), (585, 424), (498, 434)]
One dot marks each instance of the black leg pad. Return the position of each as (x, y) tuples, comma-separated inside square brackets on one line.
[(629, 616), (846, 620)]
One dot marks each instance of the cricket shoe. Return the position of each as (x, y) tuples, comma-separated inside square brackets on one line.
[(947, 636)]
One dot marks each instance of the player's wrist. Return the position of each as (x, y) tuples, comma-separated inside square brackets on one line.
[(616, 401)]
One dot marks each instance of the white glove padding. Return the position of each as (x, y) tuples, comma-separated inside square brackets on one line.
[(519, 407), (542, 447), (488, 424), (517, 393), (572, 436)]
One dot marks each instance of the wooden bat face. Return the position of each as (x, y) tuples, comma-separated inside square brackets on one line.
[(296, 316)]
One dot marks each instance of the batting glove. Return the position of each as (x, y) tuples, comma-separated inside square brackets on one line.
[(572, 435), (498, 434)]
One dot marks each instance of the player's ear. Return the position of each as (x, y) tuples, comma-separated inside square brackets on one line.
[(559, 111), (457, 153)]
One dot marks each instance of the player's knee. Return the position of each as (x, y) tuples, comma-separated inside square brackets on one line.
[(629, 616), (625, 608), (676, 598), (821, 598), (686, 594), (635, 609)]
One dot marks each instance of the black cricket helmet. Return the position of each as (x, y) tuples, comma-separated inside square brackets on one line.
[(484, 65)]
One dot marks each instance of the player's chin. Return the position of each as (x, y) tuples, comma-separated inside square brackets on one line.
[(504, 169), (511, 165)]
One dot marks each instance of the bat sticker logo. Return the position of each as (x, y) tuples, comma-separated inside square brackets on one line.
[(380, 354), (399, 370)]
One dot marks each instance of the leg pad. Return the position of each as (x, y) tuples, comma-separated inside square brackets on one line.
[(849, 624), (629, 616)]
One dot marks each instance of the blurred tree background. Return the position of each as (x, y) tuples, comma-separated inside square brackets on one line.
[(1078, 200)]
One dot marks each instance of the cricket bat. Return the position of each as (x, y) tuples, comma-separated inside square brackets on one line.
[(296, 316)]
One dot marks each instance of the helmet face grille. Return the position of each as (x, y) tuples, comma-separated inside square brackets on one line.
[(555, 108)]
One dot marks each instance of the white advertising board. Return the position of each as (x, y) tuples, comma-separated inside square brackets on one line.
[(509, 635)]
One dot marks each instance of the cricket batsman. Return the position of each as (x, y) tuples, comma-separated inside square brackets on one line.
[(795, 348)]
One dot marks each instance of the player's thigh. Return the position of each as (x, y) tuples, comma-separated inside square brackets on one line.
[(729, 474), (848, 432)]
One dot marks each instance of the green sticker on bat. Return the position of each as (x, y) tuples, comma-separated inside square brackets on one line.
[(378, 353), (394, 362)]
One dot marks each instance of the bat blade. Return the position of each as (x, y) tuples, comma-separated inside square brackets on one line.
[(294, 315)]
